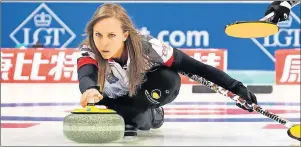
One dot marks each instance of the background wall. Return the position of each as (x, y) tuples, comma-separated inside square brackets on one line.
[(183, 25)]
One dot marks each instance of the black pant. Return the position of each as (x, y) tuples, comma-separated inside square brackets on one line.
[(161, 87)]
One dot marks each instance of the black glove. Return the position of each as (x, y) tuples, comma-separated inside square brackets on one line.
[(281, 12), (245, 94)]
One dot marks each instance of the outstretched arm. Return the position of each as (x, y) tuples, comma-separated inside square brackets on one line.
[(184, 63), (188, 65)]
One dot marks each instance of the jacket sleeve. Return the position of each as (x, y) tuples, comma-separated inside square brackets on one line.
[(87, 69), (184, 63)]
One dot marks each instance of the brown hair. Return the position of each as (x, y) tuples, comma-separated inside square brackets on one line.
[(133, 45)]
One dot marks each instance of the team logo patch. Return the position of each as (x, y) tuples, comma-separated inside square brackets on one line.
[(156, 94)]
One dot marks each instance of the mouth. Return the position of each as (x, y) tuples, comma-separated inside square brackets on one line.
[(105, 51)]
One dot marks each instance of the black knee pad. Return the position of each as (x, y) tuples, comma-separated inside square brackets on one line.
[(161, 87)]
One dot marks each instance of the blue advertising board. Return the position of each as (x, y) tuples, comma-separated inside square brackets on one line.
[(182, 25)]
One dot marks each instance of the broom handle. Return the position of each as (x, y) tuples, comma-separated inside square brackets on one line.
[(237, 99)]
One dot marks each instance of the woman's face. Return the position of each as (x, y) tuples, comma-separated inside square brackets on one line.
[(109, 37)]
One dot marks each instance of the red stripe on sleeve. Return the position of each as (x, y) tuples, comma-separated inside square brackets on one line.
[(169, 61), (86, 60)]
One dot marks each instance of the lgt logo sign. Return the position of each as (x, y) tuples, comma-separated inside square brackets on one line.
[(43, 26)]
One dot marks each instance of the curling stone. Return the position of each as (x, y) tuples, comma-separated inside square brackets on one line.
[(93, 125)]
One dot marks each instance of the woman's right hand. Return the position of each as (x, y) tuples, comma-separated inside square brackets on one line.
[(90, 95)]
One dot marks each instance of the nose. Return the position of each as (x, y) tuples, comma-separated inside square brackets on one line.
[(105, 45), (105, 42)]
